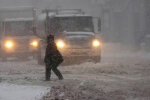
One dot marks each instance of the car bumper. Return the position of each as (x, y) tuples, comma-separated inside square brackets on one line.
[(19, 52), (81, 52)]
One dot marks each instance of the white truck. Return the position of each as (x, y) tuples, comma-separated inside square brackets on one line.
[(74, 33), (18, 34)]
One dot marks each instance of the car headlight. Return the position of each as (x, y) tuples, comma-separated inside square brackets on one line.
[(34, 43), (60, 44), (9, 44), (96, 43)]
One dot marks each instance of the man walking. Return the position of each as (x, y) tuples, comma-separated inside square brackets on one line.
[(52, 59)]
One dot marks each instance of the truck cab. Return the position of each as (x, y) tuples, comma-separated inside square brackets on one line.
[(18, 38), (74, 34)]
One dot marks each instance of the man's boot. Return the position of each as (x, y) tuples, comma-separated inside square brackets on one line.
[(47, 74)]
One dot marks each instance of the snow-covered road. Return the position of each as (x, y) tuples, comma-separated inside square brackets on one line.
[(122, 75), (21, 92)]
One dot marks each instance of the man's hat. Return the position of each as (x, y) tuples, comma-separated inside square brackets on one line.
[(50, 37)]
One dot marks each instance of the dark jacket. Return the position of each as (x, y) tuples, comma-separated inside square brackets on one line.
[(52, 55)]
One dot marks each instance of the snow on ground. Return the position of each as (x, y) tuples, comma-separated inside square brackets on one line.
[(21, 92), (123, 74)]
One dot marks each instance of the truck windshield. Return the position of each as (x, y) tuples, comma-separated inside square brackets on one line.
[(18, 28), (74, 24)]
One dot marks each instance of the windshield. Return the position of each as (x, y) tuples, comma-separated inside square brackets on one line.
[(18, 28), (74, 24)]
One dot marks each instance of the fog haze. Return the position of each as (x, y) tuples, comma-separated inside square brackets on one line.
[(123, 21), (108, 64)]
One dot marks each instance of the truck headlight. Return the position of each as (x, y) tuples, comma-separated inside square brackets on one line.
[(34, 43), (60, 44), (9, 44), (96, 43)]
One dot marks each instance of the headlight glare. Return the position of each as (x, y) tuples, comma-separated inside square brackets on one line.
[(34, 43), (96, 43), (60, 44), (9, 44)]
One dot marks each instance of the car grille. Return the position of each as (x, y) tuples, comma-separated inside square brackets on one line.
[(80, 43), (22, 45)]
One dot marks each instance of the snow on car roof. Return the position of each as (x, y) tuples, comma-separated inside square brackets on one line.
[(70, 15), (18, 19), (16, 8), (43, 16)]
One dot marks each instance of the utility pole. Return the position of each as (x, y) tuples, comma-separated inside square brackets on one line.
[(46, 11)]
